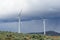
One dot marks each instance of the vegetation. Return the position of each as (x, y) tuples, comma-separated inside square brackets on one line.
[(17, 36)]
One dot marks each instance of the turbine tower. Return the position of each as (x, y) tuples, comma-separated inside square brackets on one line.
[(19, 24), (44, 24)]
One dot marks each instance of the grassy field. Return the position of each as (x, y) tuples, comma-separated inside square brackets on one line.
[(21, 36), (54, 37)]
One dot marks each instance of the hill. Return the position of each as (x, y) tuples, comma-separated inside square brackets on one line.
[(4, 35), (49, 33)]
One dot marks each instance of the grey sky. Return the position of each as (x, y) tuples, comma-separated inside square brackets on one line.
[(8, 7), (33, 11)]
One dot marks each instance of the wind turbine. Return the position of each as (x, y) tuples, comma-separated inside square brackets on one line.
[(19, 24), (44, 24)]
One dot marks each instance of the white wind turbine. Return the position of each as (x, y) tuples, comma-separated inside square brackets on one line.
[(19, 24), (44, 24)]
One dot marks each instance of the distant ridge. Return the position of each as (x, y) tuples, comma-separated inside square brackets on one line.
[(49, 33)]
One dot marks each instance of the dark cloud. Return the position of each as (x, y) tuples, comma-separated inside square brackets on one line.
[(32, 16)]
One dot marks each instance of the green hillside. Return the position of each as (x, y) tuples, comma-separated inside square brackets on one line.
[(16, 36)]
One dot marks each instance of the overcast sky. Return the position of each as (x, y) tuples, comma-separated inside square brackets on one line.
[(33, 11)]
